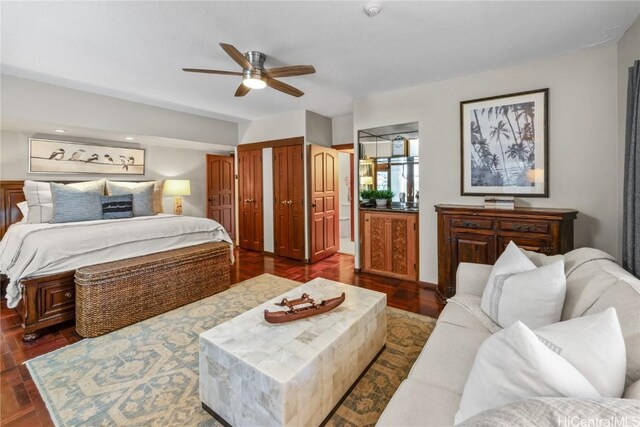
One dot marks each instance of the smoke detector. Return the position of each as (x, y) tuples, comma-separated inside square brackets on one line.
[(372, 9)]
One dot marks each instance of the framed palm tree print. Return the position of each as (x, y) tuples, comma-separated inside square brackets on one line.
[(505, 145)]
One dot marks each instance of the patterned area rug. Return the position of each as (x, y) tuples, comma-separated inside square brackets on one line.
[(147, 373)]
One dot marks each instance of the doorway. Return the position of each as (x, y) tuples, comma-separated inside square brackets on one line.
[(220, 192), (346, 208)]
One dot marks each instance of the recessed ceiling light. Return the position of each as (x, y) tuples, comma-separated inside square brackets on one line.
[(59, 130), (129, 138), (372, 9)]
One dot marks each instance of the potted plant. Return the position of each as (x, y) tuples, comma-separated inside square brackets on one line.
[(365, 195), (383, 197)]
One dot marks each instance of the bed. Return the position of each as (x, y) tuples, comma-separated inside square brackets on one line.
[(40, 260)]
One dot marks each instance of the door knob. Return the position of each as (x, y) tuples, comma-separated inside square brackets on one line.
[(290, 202), (313, 205), (284, 202)]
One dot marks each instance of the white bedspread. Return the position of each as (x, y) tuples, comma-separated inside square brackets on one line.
[(29, 250)]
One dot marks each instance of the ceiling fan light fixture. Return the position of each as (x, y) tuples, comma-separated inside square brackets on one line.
[(254, 83)]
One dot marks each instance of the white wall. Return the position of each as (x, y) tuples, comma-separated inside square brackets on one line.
[(342, 129), (31, 101), (286, 125), (583, 143), (628, 52), (318, 129), (160, 163), (344, 161), (267, 199)]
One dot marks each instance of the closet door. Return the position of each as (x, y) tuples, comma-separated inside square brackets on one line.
[(257, 227), (250, 203), (281, 206)]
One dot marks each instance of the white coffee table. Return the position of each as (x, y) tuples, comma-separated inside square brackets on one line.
[(253, 373)]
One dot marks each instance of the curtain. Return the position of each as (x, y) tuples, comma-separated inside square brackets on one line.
[(631, 210)]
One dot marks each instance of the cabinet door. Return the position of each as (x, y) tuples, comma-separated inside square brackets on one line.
[(470, 247), (389, 245), (281, 201)]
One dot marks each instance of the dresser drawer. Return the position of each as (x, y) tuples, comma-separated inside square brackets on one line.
[(472, 223), (523, 226), (57, 299)]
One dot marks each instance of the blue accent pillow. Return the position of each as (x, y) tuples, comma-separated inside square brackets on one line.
[(72, 204), (116, 207), (142, 196)]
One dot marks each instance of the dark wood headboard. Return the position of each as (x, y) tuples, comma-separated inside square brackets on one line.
[(10, 195)]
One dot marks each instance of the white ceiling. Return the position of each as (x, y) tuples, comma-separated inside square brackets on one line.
[(135, 50)]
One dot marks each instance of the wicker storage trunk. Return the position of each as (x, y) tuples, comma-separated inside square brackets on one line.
[(113, 295)]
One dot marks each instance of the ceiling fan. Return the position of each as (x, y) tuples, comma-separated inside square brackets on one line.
[(255, 76)]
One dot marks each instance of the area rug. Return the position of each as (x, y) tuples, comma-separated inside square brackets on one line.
[(147, 373)]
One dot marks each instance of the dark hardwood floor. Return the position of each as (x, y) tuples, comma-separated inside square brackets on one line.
[(21, 404)]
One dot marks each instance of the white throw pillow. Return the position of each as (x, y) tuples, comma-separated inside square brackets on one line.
[(594, 345), (534, 297), (24, 210), (40, 201), (514, 364), (541, 259), (512, 261)]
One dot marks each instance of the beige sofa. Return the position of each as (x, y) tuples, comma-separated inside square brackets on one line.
[(431, 393)]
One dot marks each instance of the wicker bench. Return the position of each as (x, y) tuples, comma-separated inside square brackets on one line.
[(113, 295)]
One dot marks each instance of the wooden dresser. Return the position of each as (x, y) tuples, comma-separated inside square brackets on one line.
[(479, 235), (389, 243)]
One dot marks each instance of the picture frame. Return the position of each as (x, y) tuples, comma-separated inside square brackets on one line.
[(504, 144), (64, 157)]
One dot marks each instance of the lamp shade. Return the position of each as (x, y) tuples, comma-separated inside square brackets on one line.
[(177, 187)]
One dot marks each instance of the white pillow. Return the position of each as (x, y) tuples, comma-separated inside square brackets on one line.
[(541, 259), (24, 210), (517, 290), (534, 297), (40, 202), (594, 345), (512, 261), (514, 364)]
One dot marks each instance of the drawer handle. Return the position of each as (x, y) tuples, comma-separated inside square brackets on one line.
[(546, 250), (470, 224), (68, 295), (525, 228)]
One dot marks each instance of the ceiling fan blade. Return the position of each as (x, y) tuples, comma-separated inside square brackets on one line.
[(237, 56), (199, 70), (283, 87), (290, 71), (242, 90)]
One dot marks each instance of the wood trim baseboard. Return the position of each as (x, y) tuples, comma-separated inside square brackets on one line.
[(298, 140)]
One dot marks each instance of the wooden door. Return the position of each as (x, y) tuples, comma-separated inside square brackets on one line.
[(220, 191), (288, 189), (324, 219), (250, 204), (471, 247), (281, 201)]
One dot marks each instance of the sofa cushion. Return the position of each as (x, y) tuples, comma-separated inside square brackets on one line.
[(418, 403), (633, 391), (514, 364), (447, 357), (624, 296), (464, 310)]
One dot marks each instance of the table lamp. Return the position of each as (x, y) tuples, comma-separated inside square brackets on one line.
[(177, 188)]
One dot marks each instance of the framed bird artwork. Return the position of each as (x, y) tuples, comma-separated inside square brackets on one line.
[(50, 156)]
